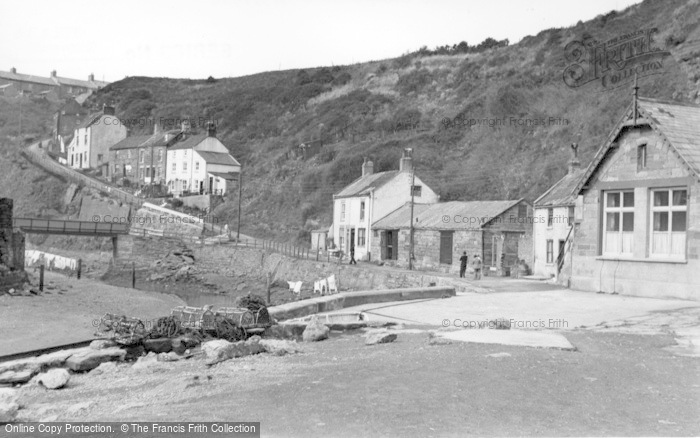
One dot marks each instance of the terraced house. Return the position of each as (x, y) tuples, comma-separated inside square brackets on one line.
[(638, 206), (89, 147), (142, 159)]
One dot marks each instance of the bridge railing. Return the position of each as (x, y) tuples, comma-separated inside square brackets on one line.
[(59, 226)]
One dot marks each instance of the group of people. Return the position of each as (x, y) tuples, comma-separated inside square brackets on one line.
[(476, 265)]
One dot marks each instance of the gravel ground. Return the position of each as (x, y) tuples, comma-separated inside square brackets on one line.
[(65, 312), (615, 384)]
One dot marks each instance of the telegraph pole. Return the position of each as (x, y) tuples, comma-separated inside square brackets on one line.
[(413, 184), (240, 193), (21, 97)]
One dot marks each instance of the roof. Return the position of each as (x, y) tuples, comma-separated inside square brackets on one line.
[(364, 184), (455, 215), (562, 192), (676, 122), (26, 78), (80, 83), (230, 176), (218, 158), (189, 142), (130, 142), (91, 120)]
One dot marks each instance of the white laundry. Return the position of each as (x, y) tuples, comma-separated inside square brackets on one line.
[(50, 261)]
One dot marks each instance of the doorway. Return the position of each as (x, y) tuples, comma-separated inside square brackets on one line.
[(446, 238)]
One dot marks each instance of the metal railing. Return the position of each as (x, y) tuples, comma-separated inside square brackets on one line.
[(59, 226)]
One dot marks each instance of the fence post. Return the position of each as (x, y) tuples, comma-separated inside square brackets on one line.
[(80, 268), (269, 286), (133, 275), (41, 278), (318, 250)]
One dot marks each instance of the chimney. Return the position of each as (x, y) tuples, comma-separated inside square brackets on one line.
[(91, 77), (107, 110), (53, 73), (574, 164), (185, 127), (367, 167), (406, 163), (156, 128), (13, 70), (211, 129), (167, 137)]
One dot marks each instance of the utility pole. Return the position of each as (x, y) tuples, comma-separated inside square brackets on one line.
[(410, 252), (240, 193), (21, 97)]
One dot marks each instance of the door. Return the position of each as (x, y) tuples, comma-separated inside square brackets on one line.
[(446, 247), (211, 184), (201, 187), (352, 239), (560, 255)]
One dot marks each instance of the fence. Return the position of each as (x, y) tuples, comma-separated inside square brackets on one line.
[(289, 250)]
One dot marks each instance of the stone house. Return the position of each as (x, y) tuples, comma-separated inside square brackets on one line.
[(142, 159), (553, 224), (199, 163), (59, 87), (65, 121), (371, 197), (499, 231), (89, 148), (638, 206)]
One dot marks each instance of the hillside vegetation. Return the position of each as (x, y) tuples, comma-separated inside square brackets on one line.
[(375, 109)]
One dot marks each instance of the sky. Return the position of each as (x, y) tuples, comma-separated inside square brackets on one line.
[(202, 38)]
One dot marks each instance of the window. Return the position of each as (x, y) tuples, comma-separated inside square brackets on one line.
[(148, 172), (362, 210), (669, 211), (116, 154), (342, 211), (641, 157), (417, 191), (160, 155), (85, 138), (361, 236), (550, 217), (99, 157), (550, 251), (116, 168), (196, 166), (184, 166), (522, 210), (571, 216), (618, 223), (174, 166), (142, 155), (128, 153)]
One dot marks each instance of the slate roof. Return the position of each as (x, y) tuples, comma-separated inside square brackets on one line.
[(130, 142), (226, 175), (364, 184), (26, 78), (91, 120), (562, 192), (190, 142), (218, 158), (676, 122), (460, 215)]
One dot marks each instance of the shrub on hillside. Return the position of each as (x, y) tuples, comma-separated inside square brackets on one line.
[(342, 79), (414, 81)]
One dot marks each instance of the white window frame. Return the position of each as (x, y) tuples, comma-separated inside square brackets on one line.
[(362, 210), (342, 212), (361, 237), (620, 210), (670, 209)]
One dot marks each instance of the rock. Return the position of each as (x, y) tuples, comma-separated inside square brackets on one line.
[(380, 338), (220, 350), (168, 357), (8, 405), (183, 343), (15, 377), (89, 359), (315, 331), (146, 361), (285, 331), (498, 355), (279, 347), (105, 368), (54, 379), (101, 344), (160, 345), (436, 340)]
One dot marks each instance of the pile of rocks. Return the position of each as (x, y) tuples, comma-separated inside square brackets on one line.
[(178, 265)]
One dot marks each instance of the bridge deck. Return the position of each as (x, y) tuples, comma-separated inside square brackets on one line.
[(68, 227)]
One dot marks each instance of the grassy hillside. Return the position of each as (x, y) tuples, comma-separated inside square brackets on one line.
[(377, 108)]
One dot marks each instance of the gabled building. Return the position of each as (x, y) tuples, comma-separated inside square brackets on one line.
[(142, 159), (553, 224), (89, 147), (66, 120), (57, 87), (638, 206), (370, 198), (499, 231), (199, 163)]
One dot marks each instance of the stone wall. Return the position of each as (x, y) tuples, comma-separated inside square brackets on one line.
[(12, 274)]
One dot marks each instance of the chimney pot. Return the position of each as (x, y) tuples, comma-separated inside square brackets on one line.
[(13, 70), (574, 163), (53, 73), (91, 77), (367, 167), (211, 129)]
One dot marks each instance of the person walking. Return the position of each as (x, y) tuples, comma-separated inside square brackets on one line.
[(476, 263), (463, 264), (352, 255)]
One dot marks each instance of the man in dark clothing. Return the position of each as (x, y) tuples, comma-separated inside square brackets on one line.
[(463, 264), (352, 256)]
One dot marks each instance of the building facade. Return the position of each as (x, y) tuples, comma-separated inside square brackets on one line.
[(89, 147), (58, 86), (638, 206), (142, 159), (500, 232), (371, 197)]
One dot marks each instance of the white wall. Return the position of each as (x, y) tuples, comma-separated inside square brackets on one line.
[(542, 232)]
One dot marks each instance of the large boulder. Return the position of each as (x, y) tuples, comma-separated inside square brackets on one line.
[(8, 405), (54, 379), (160, 345), (100, 344), (220, 350), (280, 347), (315, 331), (380, 338), (89, 359), (16, 377)]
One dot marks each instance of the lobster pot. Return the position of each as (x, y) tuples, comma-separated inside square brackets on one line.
[(194, 317), (122, 329), (242, 317)]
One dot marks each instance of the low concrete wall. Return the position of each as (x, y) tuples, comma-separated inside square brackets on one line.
[(342, 300)]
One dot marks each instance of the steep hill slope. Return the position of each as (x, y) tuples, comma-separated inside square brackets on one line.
[(376, 109)]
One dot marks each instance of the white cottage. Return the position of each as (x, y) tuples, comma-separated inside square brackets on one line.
[(89, 148), (370, 198), (200, 164)]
